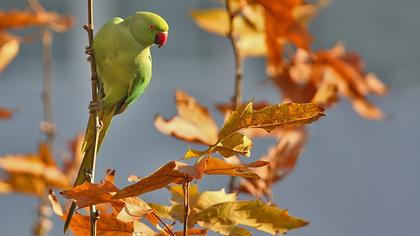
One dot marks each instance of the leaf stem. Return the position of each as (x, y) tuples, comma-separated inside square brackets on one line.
[(94, 83), (163, 222), (186, 190), (238, 69)]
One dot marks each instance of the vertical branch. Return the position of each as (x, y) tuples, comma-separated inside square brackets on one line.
[(48, 124), (238, 69), (237, 54), (186, 190), (43, 223), (94, 83)]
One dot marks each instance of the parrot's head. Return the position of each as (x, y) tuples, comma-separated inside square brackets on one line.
[(149, 28)]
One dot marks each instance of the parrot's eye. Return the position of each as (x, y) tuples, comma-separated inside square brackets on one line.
[(152, 26)]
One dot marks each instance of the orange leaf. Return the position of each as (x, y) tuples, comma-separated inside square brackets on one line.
[(23, 19), (88, 194), (215, 166), (33, 173), (107, 225), (165, 175), (193, 122), (5, 114)]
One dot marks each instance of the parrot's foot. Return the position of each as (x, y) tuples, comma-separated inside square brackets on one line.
[(95, 106), (89, 52)]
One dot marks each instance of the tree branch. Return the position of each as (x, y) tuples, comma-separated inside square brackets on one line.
[(186, 190), (94, 83), (236, 100)]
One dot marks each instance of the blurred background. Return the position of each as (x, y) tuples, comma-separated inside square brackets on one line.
[(355, 177)]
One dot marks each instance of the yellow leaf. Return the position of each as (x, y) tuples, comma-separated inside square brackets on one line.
[(224, 217), (193, 122), (9, 48), (251, 37), (271, 117)]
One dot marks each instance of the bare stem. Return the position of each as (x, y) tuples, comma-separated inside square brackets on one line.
[(94, 82), (47, 87), (43, 223), (163, 222), (186, 190), (238, 70)]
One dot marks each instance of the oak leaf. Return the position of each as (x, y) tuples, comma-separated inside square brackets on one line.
[(226, 216), (269, 118)]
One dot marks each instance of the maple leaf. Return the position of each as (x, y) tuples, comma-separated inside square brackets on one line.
[(193, 123), (225, 217)]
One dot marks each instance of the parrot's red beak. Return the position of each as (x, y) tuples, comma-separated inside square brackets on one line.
[(160, 38)]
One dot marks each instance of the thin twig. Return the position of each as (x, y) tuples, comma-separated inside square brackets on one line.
[(43, 223), (238, 69), (47, 88), (186, 190), (163, 222), (94, 82)]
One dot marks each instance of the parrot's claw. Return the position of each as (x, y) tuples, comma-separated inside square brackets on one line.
[(95, 106), (89, 51)]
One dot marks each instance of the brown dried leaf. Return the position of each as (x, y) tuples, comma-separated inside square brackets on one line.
[(167, 174), (9, 48), (55, 204), (193, 122)]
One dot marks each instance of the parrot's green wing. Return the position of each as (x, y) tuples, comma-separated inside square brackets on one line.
[(140, 81)]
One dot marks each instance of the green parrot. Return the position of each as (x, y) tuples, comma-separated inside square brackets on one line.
[(124, 67)]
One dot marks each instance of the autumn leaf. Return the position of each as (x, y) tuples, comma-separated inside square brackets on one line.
[(106, 225), (33, 173), (199, 201), (9, 48), (163, 176), (5, 114), (282, 160), (214, 166), (178, 173), (193, 123), (88, 194), (268, 118), (224, 217), (23, 19), (247, 27)]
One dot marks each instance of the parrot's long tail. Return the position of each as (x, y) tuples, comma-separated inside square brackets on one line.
[(89, 149)]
